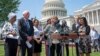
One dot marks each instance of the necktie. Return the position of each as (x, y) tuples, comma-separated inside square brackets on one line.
[(27, 25)]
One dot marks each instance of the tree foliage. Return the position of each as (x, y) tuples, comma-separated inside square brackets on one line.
[(7, 6)]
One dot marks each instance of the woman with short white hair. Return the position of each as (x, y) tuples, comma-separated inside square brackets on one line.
[(11, 35)]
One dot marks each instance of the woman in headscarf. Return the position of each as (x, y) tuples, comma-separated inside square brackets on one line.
[(11, 35)]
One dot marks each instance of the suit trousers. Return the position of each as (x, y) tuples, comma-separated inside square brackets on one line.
[(67, 49), (24, 48), (57, 48), (77, 51)]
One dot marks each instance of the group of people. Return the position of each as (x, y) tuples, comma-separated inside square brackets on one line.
[(24, 34), (29, 35), (95, 38), (80, 27)]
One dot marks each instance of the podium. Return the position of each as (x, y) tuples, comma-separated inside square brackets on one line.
[(63, 37), (73, 35), (56, 36), (60, 37)]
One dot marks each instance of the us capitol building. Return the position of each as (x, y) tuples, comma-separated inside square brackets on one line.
[(55, 8), (92, 13)]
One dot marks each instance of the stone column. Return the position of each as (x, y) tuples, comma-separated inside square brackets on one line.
[(47, 13), (52, 12), (56, 13), (43, 14), (88, 17), (97, 17), (59, 13), (92, 19)]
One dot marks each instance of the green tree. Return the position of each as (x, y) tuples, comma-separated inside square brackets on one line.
[(7, 6)]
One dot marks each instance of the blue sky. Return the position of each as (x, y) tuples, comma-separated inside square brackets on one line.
[(35, 6)]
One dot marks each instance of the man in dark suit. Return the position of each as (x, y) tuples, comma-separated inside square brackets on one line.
[(26, 33), (74, 29)]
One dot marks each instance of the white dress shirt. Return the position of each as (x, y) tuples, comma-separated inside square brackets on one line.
[(37, 31)]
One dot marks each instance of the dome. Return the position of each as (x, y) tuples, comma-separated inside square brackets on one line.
[(53, 8), (46, 1), (97, 0)]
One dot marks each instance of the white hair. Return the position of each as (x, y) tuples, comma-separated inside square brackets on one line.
[(26, 11), (11, 15)]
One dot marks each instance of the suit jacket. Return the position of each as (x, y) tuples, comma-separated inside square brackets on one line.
[(74, 28), (23, 31)]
